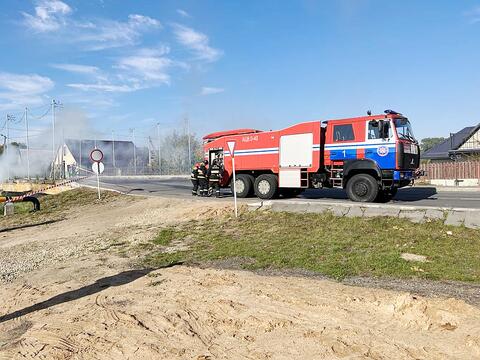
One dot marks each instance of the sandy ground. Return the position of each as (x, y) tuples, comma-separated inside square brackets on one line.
[(91, 304)]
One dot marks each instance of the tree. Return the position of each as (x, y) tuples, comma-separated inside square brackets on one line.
[(428, 143), (174, 152)]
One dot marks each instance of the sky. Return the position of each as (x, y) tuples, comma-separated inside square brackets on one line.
[(233, 64)]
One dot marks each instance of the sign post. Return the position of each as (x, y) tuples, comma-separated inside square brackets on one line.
[(231, 148), (97, 156)]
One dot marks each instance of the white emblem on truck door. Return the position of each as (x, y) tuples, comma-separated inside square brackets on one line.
[(382, 151)]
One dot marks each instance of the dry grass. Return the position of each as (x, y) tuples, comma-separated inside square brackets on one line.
[(53, 206), (333, 246)]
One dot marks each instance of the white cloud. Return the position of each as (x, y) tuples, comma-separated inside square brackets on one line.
[(76, 68), (183, 13), (19, 89), (143, 69), (197, 42), (106, 34), (473, 14), (53, 16), (211, 90), (148, 65), (103, 87), (49, 15)]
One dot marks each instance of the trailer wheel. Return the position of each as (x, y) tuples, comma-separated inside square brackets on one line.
[(266, 186), (244, 184), (362, 188)]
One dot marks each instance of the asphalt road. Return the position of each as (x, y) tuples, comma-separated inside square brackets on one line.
[(180, 187)]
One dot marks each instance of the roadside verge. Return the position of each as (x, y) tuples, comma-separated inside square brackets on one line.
[(449, 216)]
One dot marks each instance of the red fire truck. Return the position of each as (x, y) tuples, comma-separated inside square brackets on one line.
[(369, 156)]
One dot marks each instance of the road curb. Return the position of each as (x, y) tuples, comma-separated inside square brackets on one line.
[(440, 188), (450, 216)]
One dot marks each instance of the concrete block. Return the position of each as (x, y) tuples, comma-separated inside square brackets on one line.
[(295, 208), (8, 209), (355, 211), (472, 219), (381, 211), (416, 216), (340, 210), (435, 214), (261, 205), (455, 218), (319, 208)]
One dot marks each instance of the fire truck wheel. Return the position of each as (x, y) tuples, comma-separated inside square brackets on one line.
[(362, 188), (266, 186), (244, 184)]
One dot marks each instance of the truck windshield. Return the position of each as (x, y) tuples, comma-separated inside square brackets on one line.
[(404, 129)]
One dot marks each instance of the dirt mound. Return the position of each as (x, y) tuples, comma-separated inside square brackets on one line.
[(190, 313), (65, 295)]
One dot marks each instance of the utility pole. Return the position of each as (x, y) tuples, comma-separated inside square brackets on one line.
[(134, 152), (54, 104), (159, 157), (113, 149), (189, 145), (63, 173), (80, 156), (27, 143), (7, 148)]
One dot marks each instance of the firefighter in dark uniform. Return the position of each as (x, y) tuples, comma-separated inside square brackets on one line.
[(215, 174), (194, 178), (202, 178)]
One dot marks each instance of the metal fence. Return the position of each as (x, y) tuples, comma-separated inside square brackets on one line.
[(451, 170)]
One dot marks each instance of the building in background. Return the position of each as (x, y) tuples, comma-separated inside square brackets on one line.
[(463, 145), (455, 161), (119, 158)]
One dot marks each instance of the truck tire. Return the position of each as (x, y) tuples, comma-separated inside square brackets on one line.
[(266, 186), (252, 182), (244, 184), (362, 188)]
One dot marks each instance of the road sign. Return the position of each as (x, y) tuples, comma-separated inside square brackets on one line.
[(98, 167), (96, 155), (231, 147)]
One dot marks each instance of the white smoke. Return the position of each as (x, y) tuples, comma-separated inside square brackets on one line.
[(70, 123)]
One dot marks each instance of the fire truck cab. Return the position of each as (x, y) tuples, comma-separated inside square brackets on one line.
[(369, 156)]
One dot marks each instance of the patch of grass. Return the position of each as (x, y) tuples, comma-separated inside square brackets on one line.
[(333, 246), (53, 207), (166, 236), (20, 208)]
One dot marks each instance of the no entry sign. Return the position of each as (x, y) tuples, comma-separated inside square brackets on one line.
[(96, 155)]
